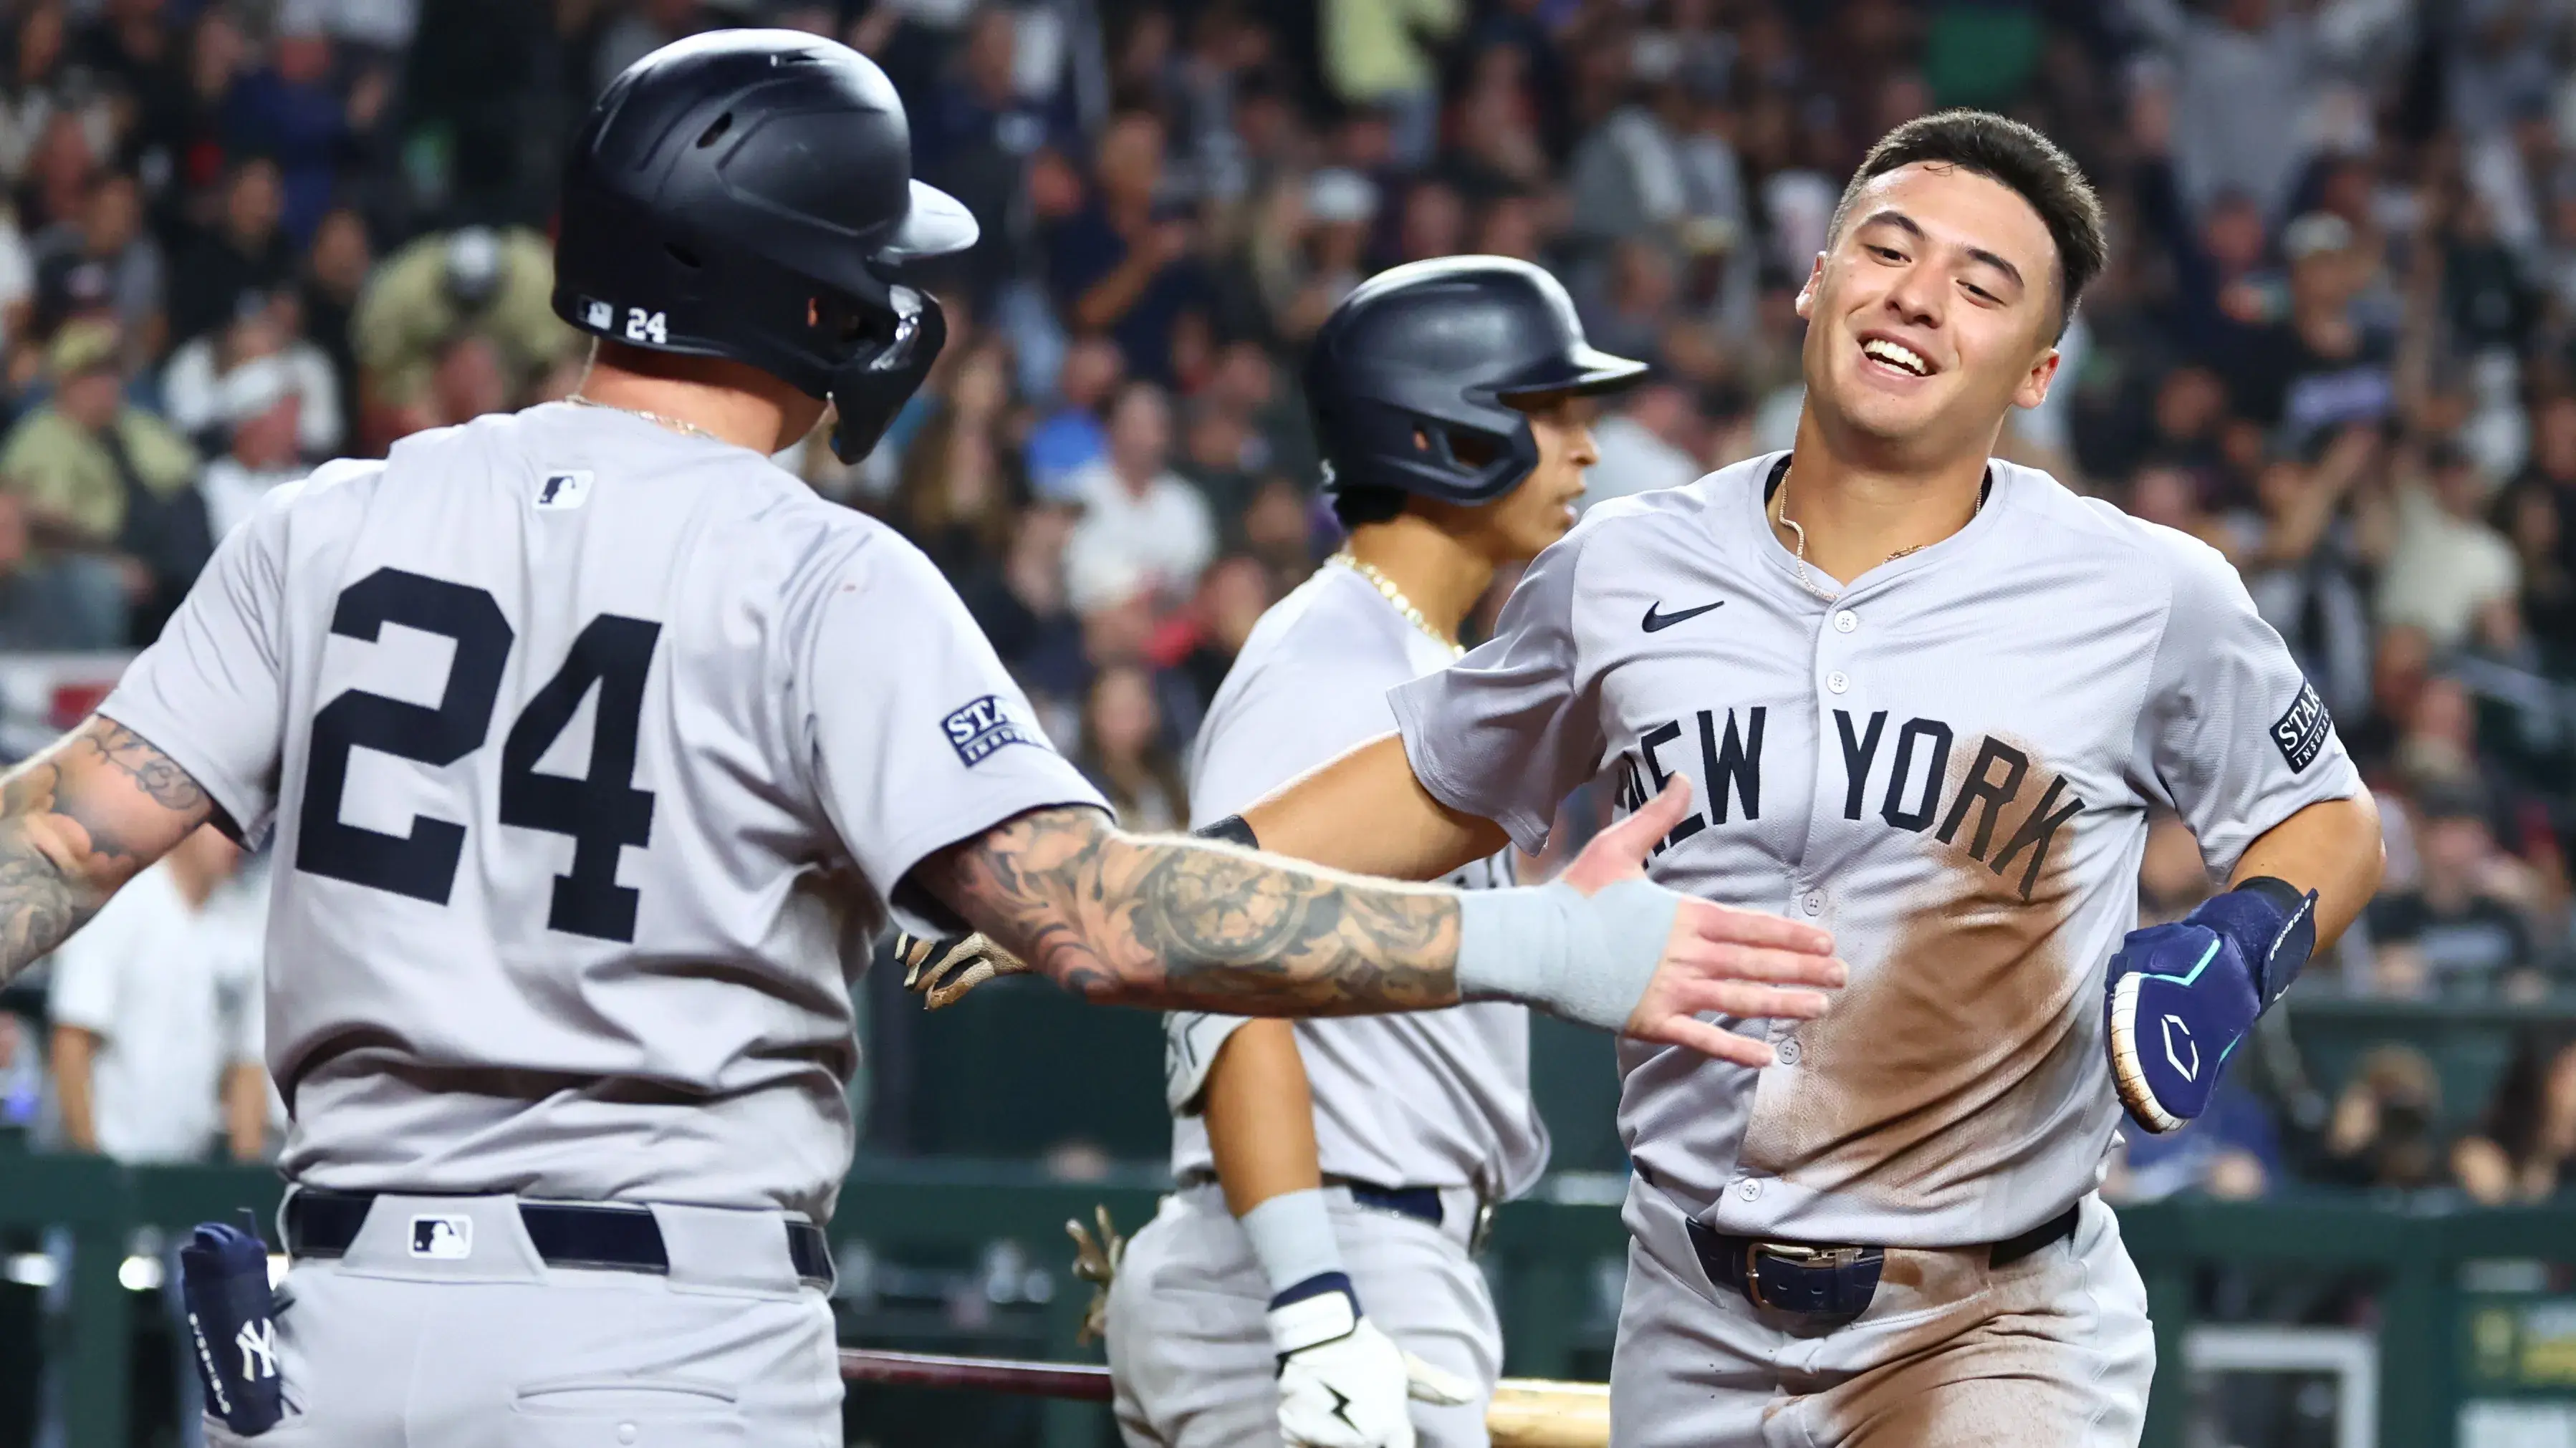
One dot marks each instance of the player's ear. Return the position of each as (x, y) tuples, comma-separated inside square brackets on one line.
[(2034, 384), (1807, 293)]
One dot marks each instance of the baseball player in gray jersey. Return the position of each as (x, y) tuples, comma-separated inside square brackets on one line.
[(1928, 699), (596, 751), (1332, 1173)]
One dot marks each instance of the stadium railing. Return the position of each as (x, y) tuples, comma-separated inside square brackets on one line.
[(2441, 1336)]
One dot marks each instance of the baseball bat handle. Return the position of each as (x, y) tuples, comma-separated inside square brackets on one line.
[(1525, 1412), (1086, 1381)]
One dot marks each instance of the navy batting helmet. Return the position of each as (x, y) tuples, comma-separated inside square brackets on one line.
[(749, 194), (1429, 354)]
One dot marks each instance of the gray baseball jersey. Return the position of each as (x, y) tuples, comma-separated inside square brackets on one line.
[(1439, 1098), (597, 756), (1950, 767)]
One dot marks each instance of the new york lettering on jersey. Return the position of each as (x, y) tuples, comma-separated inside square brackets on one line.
[(1950, 765)]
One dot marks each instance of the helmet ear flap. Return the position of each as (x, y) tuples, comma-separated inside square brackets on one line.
[(881, 374)]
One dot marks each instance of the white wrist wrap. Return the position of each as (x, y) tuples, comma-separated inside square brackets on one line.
[(1292, 1236), (1587, 959)]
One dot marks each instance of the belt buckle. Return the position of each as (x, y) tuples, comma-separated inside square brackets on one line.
[(1797, 1254)]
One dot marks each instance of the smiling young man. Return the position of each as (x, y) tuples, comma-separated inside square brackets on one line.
[(1928, 700)]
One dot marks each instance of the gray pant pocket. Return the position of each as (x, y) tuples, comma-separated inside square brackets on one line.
[(609, 1411)]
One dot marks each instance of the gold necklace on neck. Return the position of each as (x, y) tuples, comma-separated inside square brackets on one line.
[(675, 424), (1395, 596), (1778, 512)]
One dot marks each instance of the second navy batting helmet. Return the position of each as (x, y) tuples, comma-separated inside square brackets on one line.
[(749, 194), (1425, 356)]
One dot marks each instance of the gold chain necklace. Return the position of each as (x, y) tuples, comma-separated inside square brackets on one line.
[(1395, 596), (1780, 515), (675, 424)]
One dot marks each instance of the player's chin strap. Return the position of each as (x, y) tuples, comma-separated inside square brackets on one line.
[(2273, 924)]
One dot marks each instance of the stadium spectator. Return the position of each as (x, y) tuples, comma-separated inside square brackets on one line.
[(2385, 1128), (2458, 929), (245, 251), (1126, 264), (156, 1032), (100, 476), (102, 264), (1072, 437), (259, 409), (1650, 442), (2446, 563), (2525, 1150), (496, 284), (267, 327), (957, 488), (1123, 752), (1143, 529), (290, 110)]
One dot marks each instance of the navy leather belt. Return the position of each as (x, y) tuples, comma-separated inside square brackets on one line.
[(617, 1238), (1831, 1281), (1420, 1203)]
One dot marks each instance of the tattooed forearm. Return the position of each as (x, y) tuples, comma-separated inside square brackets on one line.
[(40, 902), (1160, 921), (151, 770), (78, 821)]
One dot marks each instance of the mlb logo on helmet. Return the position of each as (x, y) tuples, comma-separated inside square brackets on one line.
[(448, 1238), (597, 313)]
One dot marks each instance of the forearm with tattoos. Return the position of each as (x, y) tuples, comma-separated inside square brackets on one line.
[(76, 822), (1169, 922)]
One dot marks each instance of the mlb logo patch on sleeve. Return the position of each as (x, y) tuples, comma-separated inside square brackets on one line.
[(981, 727), (569, 489), (2302, 732)]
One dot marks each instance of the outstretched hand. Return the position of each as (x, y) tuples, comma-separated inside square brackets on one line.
[(1719, 960)]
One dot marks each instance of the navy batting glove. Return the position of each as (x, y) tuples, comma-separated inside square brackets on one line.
[(2183, 996)]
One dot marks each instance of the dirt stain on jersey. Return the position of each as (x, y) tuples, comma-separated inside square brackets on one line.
[(1941, 1052)]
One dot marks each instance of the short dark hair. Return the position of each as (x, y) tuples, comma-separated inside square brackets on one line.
[(1363, 505), (2014, 155)]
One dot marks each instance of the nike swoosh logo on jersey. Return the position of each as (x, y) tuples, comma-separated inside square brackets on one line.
[(1658, 621)]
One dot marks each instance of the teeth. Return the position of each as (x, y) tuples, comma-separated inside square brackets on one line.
[(1896, 356)]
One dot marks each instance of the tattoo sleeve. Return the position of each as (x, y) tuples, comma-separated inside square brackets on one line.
[(1165, 921), (76, 822)]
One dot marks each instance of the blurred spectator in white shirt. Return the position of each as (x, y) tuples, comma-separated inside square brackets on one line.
[(267, 328), (260, 409), (156, 1016), (1650, 442), (2447, 563), (1141, 524)]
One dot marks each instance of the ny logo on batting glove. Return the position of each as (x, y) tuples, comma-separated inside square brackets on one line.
[(2184, 996)]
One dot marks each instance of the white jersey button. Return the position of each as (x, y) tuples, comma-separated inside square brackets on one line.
[(1846, 621), (1788, 1053), (1837, 681), (1748, 1190), (1814, 904)]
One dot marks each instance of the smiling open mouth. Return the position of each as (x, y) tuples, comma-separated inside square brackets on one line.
[(1896, 355)]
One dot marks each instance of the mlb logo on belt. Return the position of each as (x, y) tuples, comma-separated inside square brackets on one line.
[(451, 1238)]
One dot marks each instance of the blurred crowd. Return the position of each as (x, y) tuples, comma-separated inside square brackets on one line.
[(2337, 341)]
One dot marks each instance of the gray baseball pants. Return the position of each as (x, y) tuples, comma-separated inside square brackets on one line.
[(2052, 1351), (1189, 1341), (386, 1347)]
